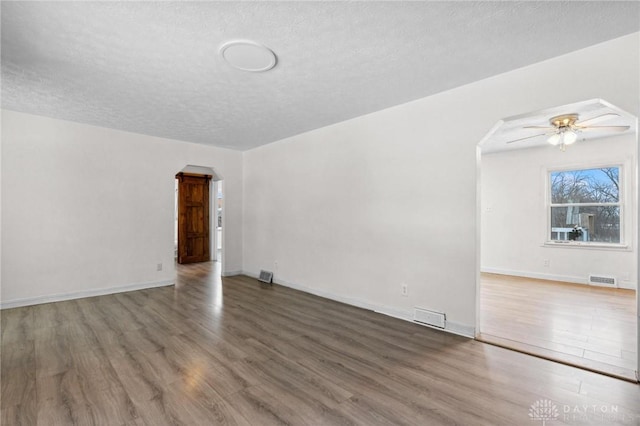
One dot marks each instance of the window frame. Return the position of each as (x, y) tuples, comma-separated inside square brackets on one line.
[(621, 204)]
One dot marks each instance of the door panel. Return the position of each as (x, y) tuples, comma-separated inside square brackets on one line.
[(193, 218)]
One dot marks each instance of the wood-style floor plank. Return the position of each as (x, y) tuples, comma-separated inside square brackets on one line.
[(230, 351), (591, 327)]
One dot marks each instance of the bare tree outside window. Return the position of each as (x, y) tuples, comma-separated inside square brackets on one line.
[(585, 205)]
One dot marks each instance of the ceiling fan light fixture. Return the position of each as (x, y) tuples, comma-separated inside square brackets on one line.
[(554, 139), (569, 137), (564, 130)]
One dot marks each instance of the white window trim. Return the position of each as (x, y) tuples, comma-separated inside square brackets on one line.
[(625, 167)]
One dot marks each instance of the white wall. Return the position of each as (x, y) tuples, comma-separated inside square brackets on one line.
[(89, 210), (353, 210), (514, 221)]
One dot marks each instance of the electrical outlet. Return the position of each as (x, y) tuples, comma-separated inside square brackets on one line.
[(545, 263), (405, 289), (159, 267)]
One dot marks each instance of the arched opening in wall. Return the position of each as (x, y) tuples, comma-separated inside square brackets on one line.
[(198, 224), (558, 246)]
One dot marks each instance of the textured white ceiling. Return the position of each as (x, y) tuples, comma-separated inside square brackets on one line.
[(154, 67)]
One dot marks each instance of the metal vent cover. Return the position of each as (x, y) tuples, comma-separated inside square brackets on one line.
[(603, 281), (432, 318), (266, 276)]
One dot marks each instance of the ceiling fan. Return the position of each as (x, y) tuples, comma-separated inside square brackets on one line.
[(564, 128)]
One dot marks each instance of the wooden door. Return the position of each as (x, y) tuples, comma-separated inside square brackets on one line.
[(193, 218)]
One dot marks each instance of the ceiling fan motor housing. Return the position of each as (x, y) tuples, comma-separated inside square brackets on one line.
[(564, 121)]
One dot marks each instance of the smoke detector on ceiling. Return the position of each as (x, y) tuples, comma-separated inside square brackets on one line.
[(248, 55)]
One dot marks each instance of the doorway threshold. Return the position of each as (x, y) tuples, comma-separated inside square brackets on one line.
[(562, 358)]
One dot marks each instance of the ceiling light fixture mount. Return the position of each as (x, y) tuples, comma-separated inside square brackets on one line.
[(566, 130), (248, 55)]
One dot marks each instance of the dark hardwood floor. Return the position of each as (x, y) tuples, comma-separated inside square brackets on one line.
[(212, 351)]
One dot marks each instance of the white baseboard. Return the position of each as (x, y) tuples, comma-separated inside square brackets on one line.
[(461, 329), (553, 277), (38, 300), (231, 273), (450, 327), (403, 314)]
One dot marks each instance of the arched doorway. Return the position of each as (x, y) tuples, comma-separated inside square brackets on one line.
[(199, 209), (540, 291)]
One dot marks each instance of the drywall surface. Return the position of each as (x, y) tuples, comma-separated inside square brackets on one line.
[(89, 210), (355, 210), (514, 213)]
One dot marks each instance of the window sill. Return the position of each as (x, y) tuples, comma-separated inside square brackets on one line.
[(585, 245)]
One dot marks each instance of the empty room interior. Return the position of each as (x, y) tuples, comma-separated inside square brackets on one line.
[(312, 213), (557, 265)]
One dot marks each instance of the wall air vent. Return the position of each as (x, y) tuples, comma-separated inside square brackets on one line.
[(603, 281), (266, 277), (432, 318)]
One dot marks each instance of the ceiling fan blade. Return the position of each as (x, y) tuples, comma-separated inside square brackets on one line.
[(528, 137), (597, 119), (539, 127), (605, 128)]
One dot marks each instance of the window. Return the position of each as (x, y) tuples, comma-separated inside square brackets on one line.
[(585, 206)]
